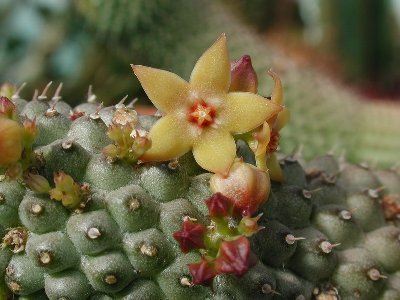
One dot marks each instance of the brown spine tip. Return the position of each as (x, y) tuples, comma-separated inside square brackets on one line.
[(45, 258), (110, 279), (15, 286), (148, 250), (134, 204)]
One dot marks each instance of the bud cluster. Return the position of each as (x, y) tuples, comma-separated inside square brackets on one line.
[(223, 244), (71, 194), (130, 142)]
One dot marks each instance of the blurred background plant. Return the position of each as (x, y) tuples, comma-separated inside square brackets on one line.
[(333, 56)]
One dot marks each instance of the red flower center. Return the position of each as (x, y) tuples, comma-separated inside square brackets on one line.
[(201, 114), (274, 141)]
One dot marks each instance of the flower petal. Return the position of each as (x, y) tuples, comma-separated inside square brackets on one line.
[(211, 74), (167, 91), (243, 111), (274, 168), (282, 119), (277, 93), (215, 151), (170, 138)]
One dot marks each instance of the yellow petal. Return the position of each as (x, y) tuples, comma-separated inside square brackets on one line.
[(242, 112), (263, 137), (170, 138), (277, 93), (215, 151), (282, 119), (211, 74), (275, 170), (167, 91)]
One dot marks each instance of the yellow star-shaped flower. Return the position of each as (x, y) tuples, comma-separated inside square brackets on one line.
[(201, 114)]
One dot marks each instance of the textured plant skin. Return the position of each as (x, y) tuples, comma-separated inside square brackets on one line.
[(118, 228)]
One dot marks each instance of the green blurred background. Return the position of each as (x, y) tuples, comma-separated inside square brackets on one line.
[(339, 59)]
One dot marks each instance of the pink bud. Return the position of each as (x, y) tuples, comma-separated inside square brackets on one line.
[(245, 184), (235, 257), (243, 76), (202, 272), (7, 107), (191, 236), (219, 206)]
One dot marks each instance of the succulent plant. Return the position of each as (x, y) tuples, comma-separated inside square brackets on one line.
[(104, 203)]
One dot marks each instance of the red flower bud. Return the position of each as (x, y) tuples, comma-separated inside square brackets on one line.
[(7, 107), (219, 206), (191, 236), (202, 272), (235, 257), (243, 76)]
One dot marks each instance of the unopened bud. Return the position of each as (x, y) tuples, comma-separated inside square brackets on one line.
[(245, 184), (37, 183), (10, 141), (243, 76), (7, 108)]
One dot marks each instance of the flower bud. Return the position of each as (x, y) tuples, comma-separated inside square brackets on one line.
[(245, 184), (219, 206), (10, 142), (7, 108), (243, 76), (7, 89), (202, 272), (235, 257), (31, 131), (191, 236), (37, 183), (67, 190)]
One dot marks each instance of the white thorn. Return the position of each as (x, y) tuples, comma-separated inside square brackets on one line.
[(19, 89), (43, 95)]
